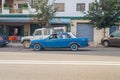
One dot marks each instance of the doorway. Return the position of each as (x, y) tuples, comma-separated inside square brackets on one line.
[(15, 30)]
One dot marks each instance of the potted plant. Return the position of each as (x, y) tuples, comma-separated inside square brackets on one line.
[(24, 6), (6, 8), (25, 9)]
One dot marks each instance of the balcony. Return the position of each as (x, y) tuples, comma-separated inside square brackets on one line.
[(14, 11)]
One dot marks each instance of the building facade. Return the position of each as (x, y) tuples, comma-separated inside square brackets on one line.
[(15, 20)]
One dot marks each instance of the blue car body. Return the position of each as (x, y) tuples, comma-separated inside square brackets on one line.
[(60, 42)]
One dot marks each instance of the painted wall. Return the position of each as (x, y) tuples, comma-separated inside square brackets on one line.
[(99, 34), (70, 7)]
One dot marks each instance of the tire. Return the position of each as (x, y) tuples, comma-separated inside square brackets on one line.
[(74, 47), (37, 47), (26, 44), (106, 44)]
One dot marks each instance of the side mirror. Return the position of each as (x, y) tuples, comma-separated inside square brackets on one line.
[(111, 36)]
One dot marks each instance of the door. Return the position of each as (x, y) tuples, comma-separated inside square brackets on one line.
[(115, 38), (85, 31)]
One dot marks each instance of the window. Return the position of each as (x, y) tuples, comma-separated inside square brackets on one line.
[(65, 36), (54, 36), (38, 33), (80, 6), (46, 31), (31, 2), (118, 4), (59, 7), (20, 5)]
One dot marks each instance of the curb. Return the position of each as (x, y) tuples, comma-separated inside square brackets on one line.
[(14, 45)]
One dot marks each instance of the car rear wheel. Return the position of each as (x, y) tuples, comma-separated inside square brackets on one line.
[(37, 47), (74, 47), (26, 44), (106, 44)]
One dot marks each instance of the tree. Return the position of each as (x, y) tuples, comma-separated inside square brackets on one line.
[(45, 12), (104, 13)]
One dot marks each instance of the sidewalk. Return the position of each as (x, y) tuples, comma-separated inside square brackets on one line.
[(95, 45), (15, 44)]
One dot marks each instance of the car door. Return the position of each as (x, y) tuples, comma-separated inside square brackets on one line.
[(57, 42), (52, 41), (115, 38)]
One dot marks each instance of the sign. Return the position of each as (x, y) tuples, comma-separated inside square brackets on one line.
[(61, 20)]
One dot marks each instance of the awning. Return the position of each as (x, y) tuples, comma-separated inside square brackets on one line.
[(15, 20), (28, 18)]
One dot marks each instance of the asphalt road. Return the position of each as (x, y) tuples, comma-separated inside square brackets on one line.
[(60, 64)]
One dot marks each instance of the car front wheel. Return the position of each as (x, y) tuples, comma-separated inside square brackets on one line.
[(37, 47), (74, 47), (106, 44)]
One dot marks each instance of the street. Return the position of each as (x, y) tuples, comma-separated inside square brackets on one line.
[(60, 64)]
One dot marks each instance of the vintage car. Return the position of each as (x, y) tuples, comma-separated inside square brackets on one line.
[(60, 40), (3, 41)]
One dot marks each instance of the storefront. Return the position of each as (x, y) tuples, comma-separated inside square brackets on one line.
[(59, 24), (15, 26), (19, 25)]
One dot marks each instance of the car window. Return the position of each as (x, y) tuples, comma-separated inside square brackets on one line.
[(65, 36), (54, 36), (38, 32), (116, 34), (46, 31)]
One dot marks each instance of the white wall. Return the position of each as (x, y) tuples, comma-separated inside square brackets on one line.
[(70, 7)]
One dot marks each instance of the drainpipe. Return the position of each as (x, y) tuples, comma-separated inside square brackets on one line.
[(3, 1)]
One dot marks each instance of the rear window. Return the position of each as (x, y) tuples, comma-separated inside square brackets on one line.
[(116, 34), (65, 35)]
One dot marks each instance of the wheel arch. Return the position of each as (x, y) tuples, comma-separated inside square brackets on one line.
[(107, 41), (74, 43), (38, 43), (25, 40)]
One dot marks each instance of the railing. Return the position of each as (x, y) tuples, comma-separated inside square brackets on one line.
[(0, 10), (14, 11)]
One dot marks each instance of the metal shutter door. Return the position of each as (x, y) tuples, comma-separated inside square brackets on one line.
[(85, 31)]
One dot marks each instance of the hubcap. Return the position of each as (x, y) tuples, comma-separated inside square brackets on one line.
[(74, 47), (37, 47), (26, 44), (106, 44)]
